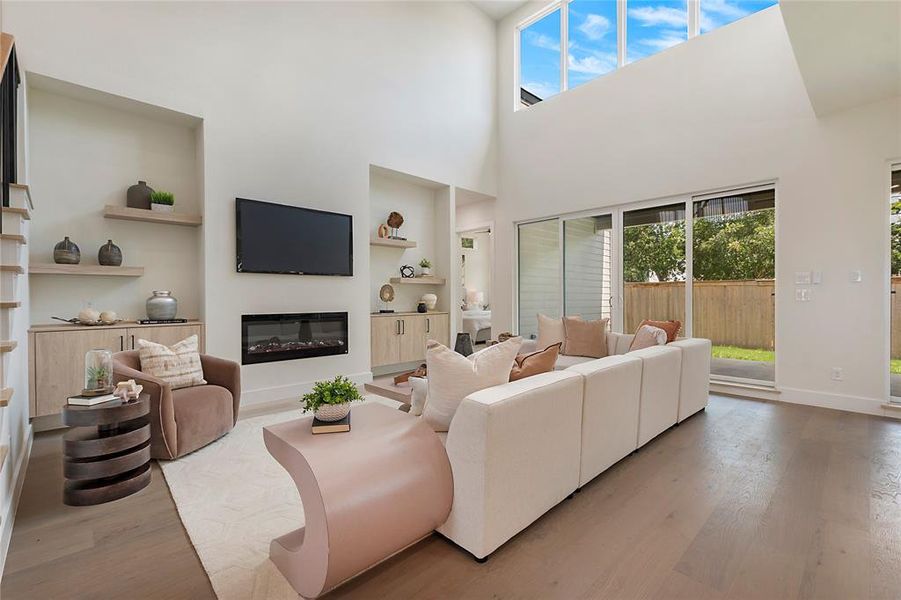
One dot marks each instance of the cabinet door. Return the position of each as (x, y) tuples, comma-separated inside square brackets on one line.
[(412, 338), (59, 363), (437, 327), (166, 335), (384, 341)]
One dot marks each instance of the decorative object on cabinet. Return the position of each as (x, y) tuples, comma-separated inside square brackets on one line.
[(162, 201), (161, 306), (66, 252), (407, 272), (98, 372), (431, 300), (89, 315), (504, 336), (425, 266), (107, 317), (383, 231), (421, 308), (138, 196), (395, 220), (386, 295), (464, 344), (109, 255), (330, 400)]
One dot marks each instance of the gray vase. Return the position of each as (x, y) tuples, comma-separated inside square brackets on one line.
[(110, 255), (161, 306), (138, 196), (66, 252)]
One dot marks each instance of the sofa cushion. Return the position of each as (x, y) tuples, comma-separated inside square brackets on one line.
[(585, 338), (670, 327), (550, 332), (178, 365), (565, 362), (452, 377), (203, 413), (648, 336), (534, 363)]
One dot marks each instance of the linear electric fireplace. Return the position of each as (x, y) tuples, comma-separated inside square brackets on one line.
[(268, 338)]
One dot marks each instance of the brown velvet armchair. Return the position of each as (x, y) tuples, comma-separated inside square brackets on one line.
[(186, 419)]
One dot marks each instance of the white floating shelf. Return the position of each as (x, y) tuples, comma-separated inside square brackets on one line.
[(55, 269), (420, 280), (123, 213), (389, 243)]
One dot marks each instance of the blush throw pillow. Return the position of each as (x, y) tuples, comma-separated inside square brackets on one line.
[(452, 377), (534, 363), (670, 327), (550, 332), (178, 365), (648, 336), (585, 338)]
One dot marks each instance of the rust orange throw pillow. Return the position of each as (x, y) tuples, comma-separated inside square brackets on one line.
[(670, 327), (534, 363)]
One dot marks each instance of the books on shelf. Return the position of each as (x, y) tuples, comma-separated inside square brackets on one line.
[(331, 426), (160, 321), (91, 400)]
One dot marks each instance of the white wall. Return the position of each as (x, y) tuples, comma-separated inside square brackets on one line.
[(85, 155), (725, 109), (297, 100)]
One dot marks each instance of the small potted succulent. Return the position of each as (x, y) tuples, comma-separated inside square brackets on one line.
[(162, 201), (426, 266), (330, 400)]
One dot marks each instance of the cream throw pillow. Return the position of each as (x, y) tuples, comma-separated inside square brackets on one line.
[(178, 365), (420, 393), (648, 336), (453, 376), (550, 332)]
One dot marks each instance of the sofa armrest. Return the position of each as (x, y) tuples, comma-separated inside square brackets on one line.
[(514, 452), (694, 388), (225, 373), (163, 439)]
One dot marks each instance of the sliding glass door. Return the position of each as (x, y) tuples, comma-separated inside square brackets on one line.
[(539, 273), (588, 267)]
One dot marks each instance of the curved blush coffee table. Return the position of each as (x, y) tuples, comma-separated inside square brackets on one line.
[(367, 493)]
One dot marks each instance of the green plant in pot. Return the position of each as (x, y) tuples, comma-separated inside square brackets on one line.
[(426, 266), (330, 400), (162, 201)]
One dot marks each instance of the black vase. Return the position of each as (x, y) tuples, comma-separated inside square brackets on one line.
[(421, 307), (66, 252), (110, 255), (138, 196), (463, 345)]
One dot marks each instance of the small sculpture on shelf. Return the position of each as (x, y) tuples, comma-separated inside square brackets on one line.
[(386, 295), (128, 390), (383, 231), (430, 300), (138, 196), (395, 220), (110, 255), (66, 252), (406, 271)]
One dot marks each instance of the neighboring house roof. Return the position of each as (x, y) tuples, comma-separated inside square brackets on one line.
[(527, 97)]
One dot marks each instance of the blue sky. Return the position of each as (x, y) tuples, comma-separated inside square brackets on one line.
[(651, 26)]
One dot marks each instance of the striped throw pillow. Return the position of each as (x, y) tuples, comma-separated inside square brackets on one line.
[(178, 365)]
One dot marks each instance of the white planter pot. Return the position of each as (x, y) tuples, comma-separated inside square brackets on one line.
[(332, 412), (426, 271), (166, 208)]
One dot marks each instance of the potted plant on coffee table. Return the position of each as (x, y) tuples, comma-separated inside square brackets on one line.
[(330, 400), (426, 266), (162, 201)]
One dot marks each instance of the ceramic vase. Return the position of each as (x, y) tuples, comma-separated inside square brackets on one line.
[(421, 307), (138, 196), (431, 300), (66, 252), (110, 255), (161, 306)]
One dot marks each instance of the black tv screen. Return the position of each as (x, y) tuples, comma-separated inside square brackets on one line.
[(276, 238)]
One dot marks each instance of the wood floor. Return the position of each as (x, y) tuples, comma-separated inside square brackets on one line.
[(747, 500)]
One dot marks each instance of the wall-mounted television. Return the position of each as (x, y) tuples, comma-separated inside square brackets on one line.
[(277, 238)]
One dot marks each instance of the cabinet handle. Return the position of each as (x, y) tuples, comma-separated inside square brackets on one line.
[(132, 342), (428, 325), (121, 343), (397, 327), (403, 327)]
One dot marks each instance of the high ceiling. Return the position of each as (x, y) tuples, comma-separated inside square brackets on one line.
[(498, 9)]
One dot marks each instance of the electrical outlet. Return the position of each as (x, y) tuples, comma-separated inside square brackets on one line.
[(837, 374), (802, 294)]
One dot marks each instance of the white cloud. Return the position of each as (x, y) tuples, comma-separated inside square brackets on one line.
[(650, 16), (716, 13), (595, 27), (594, 64), (666, 39), (541, 89), (539, 40)]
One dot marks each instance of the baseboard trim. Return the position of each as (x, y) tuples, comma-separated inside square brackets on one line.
[(292, 390), (857, 404), (9, 519)]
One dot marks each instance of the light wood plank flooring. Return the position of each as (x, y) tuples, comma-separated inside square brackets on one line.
[(747, 500)]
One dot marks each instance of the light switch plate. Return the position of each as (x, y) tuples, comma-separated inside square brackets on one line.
[(802, 277), (855, 276), (802, 295), (817, 277)]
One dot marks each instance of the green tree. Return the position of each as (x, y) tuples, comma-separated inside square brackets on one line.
[(738, 246), (896, 238), (657, 249)]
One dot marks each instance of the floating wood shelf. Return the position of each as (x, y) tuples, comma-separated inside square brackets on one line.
[(8, 346), (26, 214), (6, 395), (12, 269), (54, 269), (419, 280), (12, 237), (124, 213), (389, 243), (10, 304)]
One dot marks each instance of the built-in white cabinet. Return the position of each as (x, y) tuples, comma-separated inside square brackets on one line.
[(402, 337)]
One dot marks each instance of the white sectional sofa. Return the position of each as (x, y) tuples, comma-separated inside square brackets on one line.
[(518, 449)]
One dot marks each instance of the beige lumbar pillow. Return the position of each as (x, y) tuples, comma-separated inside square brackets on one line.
[(420, 393), (585, 338), (178, 365), (453, 376), (648, 336), (550, 332)]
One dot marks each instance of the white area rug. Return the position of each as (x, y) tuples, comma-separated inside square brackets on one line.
[(233, 498)]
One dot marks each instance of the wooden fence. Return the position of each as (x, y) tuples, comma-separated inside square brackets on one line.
[(731, 313)]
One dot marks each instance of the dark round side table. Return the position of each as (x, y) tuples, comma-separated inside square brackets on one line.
[(107, 451)]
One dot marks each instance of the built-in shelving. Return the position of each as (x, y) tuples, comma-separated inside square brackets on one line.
[(19, 270), (12, 237), (420, 280), (24, 212), (6, 395), (389, 243), (8, 345), (10, 304), (54, 269), (123, 213)]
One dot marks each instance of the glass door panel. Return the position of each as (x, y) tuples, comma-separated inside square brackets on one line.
[(653, 265), (895, 219), (539, 274), (587, 267), (733, 283)]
